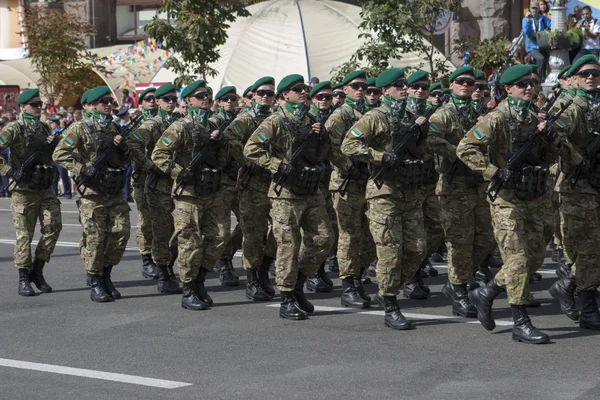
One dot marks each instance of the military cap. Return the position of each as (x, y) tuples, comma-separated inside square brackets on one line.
[(192, 87), (320, 86), (265, 80), (435, 86), (248, 90), (581, 61), (97, 93), (84, 99), (462, 71), (27, 95), (337, 86), (289, 81), (389, 76), (145, 92), (556, 86), (371, 82), (563, 72), (56, 120), (354, 75), (225, 91), (164, 89), (479, 74), (122, 111), (514, 73), (417, 76)]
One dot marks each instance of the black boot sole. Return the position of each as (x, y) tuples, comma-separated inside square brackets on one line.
[(539, 341), (259, 299), (194, 308), (169, 291), (27, 294), (407, 327), (148, 276), (464, 315), (108, 300), (355, 305), (229, 284), (300, 317), (487, 326)]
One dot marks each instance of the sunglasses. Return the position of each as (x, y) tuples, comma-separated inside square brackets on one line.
[(202, 95), (149, 98), (299, 88), (481, 86), (417, 86), (263, 93), (339, 94), (587, 72), (324, 97), (374, 91), (106, 101), (400, 83), (249, 96), (486, 94), (169, 99), (358, 86), (523, 84), (437, 94), (462, 81), (36, 104)]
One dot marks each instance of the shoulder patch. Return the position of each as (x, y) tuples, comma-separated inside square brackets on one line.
[(69, 142), (166, 141), (339, 129), (2, 140), (237, 129), (560, 123), (261, 137), (137, 135), (434, 128), (478, 134), (356, 132)]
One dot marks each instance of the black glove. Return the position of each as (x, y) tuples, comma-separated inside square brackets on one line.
[(185, 176), (220, 140), (503, 175), (122, 147), (389, 159), (550, 134), (15, 174), (285, 169), (353, 173), (88, 171)]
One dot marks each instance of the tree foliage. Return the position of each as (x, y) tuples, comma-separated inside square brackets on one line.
[(195, 30), (58, 51), (395, 27)]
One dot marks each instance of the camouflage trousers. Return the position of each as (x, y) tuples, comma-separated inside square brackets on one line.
[(331, 214), (106, 230), (519, 231), (467, 224), (433, 220), (580, 226), (300, 222), (396, 223), (231, 200), (258, 240), (27, 209), (143, 234), (356, 248), (201, 228), (164, 250)]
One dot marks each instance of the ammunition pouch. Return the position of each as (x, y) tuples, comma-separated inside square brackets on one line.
[(591, 172), (305, 180), (409, 174), (110, 181), (41, 177), (529, 182), (451, 170), (231, 170), (256, 170), (207, 180), (430, 175)]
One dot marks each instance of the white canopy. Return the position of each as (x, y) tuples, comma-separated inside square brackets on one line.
[(282, 37)]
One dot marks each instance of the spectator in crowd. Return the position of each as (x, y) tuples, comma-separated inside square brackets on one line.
[(77, 115), (126, 100), (4, 180), (545, 9), (591, 32), (532, 25), (61, 173), (183, 108), (575, 17), (313, 81)]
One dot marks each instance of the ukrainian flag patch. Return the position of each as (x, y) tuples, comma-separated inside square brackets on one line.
[(261, 137), (478, 134), (166, 141), (356, 132), (339, 129), (2, 140), (434, 128), (237, 129), (68, 142), (137, 136), (560, 123)]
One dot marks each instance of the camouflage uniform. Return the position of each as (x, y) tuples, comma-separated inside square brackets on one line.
[(31, 204), (201, 222), (143, 233), (395, 210), (104, 217), (298, 219), (465, 212), (518, 221)]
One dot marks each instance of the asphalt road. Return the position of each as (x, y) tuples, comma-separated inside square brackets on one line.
[(63, 346)]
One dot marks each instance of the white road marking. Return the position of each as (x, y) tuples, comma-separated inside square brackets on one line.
[(62, 211), (541, 271), (415, 316), (89, 373)]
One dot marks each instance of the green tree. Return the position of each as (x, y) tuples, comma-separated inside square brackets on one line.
[(396, 27), (58, 51), (195, 30)]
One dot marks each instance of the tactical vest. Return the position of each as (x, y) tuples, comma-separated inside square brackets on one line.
[(529, 180), (207, 177), (41, 175)]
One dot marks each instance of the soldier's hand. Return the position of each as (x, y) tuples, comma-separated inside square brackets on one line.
[(316, 128), (220, 139), (50, 139), (15, 174), (285, 168), (88, 171), (541, 126), (389, 159), (421, 120), (543, 116), (214, 134), (503, 175), (121, 144)]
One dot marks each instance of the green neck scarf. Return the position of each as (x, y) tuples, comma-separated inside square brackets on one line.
[(572, 92), (148, 113), (263, 111), (416, 106), (166, 116), (358, 105), (88, 115), (461, 103), (225, 114), (199, 114), (397, 107), (104, 120), (592, 98), (316, 111), (298, 110), (520, 106), (32, 121)]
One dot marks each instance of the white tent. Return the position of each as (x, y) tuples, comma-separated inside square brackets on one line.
[(282, 37)]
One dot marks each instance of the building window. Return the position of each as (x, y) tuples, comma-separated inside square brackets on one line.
[(132, 18)]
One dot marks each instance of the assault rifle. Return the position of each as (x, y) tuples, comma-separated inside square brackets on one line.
[(590, 153), (408, 142), (102, 159), (521, 155)]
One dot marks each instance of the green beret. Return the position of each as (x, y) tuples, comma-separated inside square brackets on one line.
[(562, 73), (248, 90), (84, 99), (435, 86), (556, 86), (447, 91), (581, 61), (144, 93), (320, 86), (164, 89), (417, 76), (354, 75), (289, 81), (97, 93), (462, 71), (535, 69), (265, 80), (27, 95), (192, 87), (514, 73), (480, 75), (389, 76), (225, 91), (337, 86), (371, 82)]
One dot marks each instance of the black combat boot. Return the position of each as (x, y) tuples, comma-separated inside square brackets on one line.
[(495, 261), (299, 295), (165, 284), (426, 270), (360, 288), (254, 290), (563, 290), (590, 316), (190, 299), (460, 300), (201, 290), (172, 275), (332, 263), (289, 309), (563, 270), (25, 288), (36, 276), (108, 285), (393, 317), (227, 274), (263, 276), (535, 277), (414, 291), (149, 269), (533, 302), (320, 282), (98, 293), (558, 254), (350, 296), (422, 284), (436, 258), (523, 329), (483, 273), (472, 285), (482, 299)]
